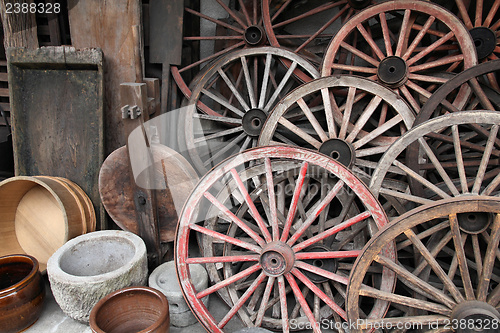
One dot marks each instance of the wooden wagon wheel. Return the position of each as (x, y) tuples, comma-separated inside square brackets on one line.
[(271, 254), (406, 45), (457, 155), (222, 28), (481, 18), (232, 99), (351, 119), (478, 80), (306, 27), (443, 286)]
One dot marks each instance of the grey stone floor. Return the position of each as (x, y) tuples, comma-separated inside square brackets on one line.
[(53, 320)]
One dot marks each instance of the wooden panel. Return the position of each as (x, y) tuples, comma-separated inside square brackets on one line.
[(58, 126), (109, 27)]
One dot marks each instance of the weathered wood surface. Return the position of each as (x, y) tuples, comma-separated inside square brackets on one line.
[(20, 29), (109, 27), (57, 115)]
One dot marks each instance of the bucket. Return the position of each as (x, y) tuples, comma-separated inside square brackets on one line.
[(37, 216)]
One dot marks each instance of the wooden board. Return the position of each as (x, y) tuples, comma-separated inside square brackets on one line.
[(57, 115), (109, 27)]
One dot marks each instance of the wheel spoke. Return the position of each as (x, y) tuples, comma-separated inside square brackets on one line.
[(265, 81), (378, 131), (479, 13), (438, 166), (489, 260), (355, 69), (272, 199), (360, 54), (312, 119), (224, 102), (245, 12), (414, 282), (230, 215), (232, 14), (329, 104), (221, 119), (464, 14), (491, 13), (206, 260), (434, 265), (311, 12), (237, 306), (420, 179), (303, 303), (255, 213), (280, 87), (324, 273), (334, 306), (347, 112), (233, 89), (484, 161), (226, 148), (327, 255), (293, 205), (437, 63), (461, 258), (224, 238), (408, 301), (386, 34), (298, 131), (265, 300), (248, 81), (365, 116), (418, 38), (284, 309), (370, 41), (403, 33), (333, 230), (429, 49), (314, 213), (228, 281)]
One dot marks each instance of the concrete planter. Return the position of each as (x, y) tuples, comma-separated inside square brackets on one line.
[(91, 266), (164, 279)]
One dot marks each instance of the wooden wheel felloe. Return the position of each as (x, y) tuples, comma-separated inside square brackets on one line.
[(447, 269), (480, 81), (276, 260), (232, 99), (351, 119), (406, 45), (307, 27), (448, 156)]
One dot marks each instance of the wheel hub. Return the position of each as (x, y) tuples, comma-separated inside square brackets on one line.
[(340, 150), (326, 264), (359, 4), (484, 40), (392, 71), (474, 222), (254, 35), (252, 121), (277, 258), (478, 313)]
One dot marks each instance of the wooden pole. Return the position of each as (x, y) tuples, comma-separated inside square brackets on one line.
[(19, 29)]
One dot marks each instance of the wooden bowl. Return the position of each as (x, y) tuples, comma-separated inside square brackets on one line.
[(22, 292), (132, 309), (37, 216)]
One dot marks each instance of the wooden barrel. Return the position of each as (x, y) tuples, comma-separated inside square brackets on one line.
[(37, 216)]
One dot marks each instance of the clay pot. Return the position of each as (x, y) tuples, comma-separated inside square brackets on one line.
[(90, 266), (132, 309), (22, 292)]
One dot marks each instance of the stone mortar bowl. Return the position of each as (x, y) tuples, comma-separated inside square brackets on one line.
[(91, 266)]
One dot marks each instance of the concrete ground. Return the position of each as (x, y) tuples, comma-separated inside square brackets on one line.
[(53, 320)]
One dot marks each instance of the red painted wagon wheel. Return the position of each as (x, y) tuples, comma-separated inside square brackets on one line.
[(222, 28), (276, 248), (457, 155), (406, 45), (232, 99), (444, 285), (306, 27)]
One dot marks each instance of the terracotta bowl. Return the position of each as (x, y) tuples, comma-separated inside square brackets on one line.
[(131, 309), (22, 292)]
